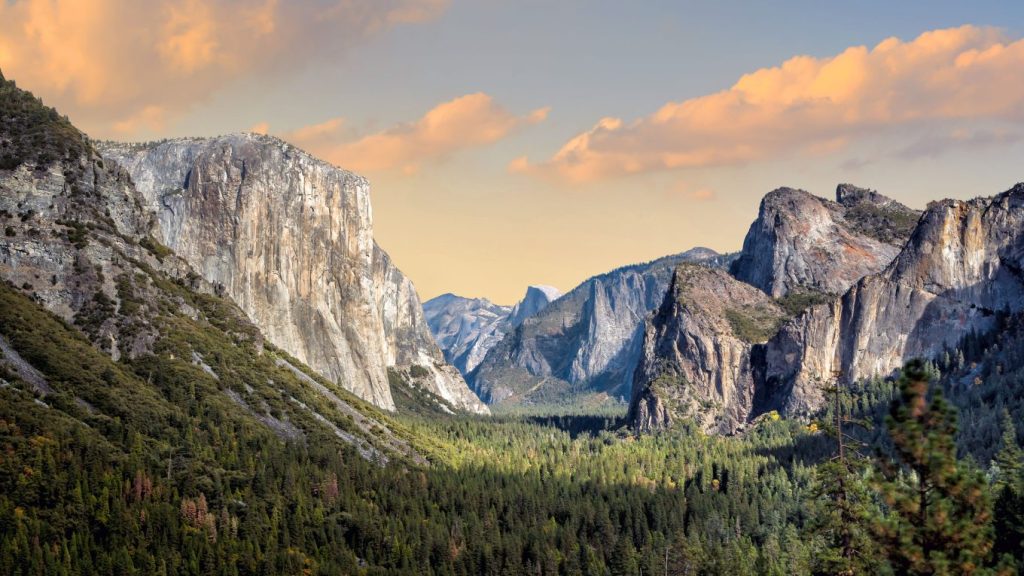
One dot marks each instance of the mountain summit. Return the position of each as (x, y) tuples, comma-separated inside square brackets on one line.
[(290, 239), (586, 342), (467, 328), (801, 241)]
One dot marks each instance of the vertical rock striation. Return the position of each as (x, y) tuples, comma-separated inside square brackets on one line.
[(963, 264), (467, 328), (800, 241), (587, 341), (290, 239), (697, 361)]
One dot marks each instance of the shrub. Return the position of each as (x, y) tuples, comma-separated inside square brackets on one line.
[(801, 299), (753, 324)]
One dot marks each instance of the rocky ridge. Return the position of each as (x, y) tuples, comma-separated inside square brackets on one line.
[(697, 356), (956, 273), (961, 267), (587, 341), (801, 241), (107, 325), (467, 328)]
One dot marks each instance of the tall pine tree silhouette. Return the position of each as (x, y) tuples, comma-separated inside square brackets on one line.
[(844, 507), (940, 519)]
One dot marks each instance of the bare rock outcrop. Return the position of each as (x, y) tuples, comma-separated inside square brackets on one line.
[(697, 360), (467, 328), (588, 341), (800, 241), (290, 239), (963, 264)]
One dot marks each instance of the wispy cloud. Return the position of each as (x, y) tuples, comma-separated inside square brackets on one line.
[(933, 145), (810, 106), (112, 63), (469, 121)]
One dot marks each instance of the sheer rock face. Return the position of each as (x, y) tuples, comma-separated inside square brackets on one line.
[(467, 328), (800, 241), (962, 264), (290, 239), (696, 361), (590, 338), (537, 298)]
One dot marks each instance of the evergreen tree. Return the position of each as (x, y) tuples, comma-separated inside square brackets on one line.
[(940, 519), (843, 514), (1010, 459), (1009, 488)]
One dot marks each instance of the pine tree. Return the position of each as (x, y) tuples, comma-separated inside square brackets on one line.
[(843, 512), (1010, 459), (940, 519), (1009, 488)]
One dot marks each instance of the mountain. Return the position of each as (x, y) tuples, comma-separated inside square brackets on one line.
[(962, 268), (697, 356), (958, 271), (587, 341), (467, 328), (290, 239), (147, 425), (537, 298), (803, 242), (108, 327)]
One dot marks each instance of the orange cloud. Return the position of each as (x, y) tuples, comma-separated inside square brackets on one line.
[(108, 63), (260, 128), (701, 194), (149, 119), (189, 37), (809, 105), (466, 122)]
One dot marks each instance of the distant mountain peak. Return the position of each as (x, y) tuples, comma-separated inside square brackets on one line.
[(550, 292), (467, 328), (536, 299)]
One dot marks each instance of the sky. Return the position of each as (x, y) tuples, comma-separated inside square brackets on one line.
[(517, 142)]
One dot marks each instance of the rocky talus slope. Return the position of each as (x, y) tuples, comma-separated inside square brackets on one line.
[(290, 239)]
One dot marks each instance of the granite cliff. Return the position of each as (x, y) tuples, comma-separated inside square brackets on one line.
[(467, 328), (289, 238), (955, 273), (587, 341), (961, 267), (106, 326), (803, 242), (697, 360)]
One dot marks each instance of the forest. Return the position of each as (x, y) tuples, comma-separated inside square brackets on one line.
[(182, 483)]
